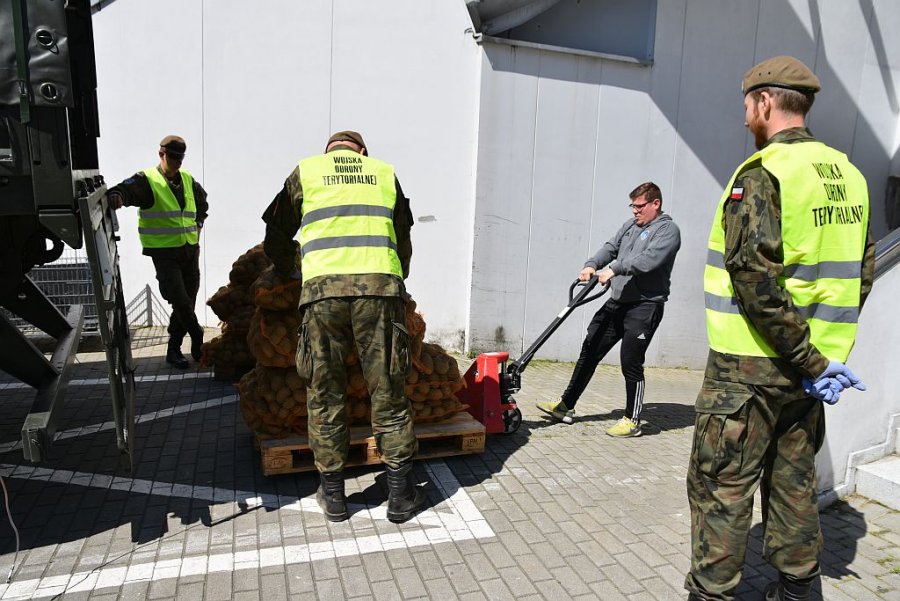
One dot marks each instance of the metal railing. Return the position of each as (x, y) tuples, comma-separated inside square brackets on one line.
[(887, 253), (145, 310), (67, 282), (148, 319)]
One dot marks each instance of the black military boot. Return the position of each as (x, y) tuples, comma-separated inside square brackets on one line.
[(405, 496), (174, 356), (789, 588), (197, 344), (331, 496)]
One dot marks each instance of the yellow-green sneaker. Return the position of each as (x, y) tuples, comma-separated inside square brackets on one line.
[(558, 410), (624, 428)]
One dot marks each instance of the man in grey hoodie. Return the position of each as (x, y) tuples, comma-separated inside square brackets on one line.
[(637, 262)]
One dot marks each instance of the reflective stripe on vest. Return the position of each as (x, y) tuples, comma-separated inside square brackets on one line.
[(165, 224), (347, 222), (825, 212)]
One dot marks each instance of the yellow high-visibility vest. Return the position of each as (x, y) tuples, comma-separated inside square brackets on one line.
[(347, 224), (824, 216), (166, 224)]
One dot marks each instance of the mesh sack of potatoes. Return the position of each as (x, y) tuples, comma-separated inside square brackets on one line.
[(248, 266), (273, 337), (430, 412), (283, 391), (229, 350), (271, 291), (415, 325), (424, 363), (443, 364), (433, 394), (256, 413), (240, 322), (229, 299)]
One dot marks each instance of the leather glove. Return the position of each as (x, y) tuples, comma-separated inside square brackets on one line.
[(827, 389), (842, 373), (115, 200)]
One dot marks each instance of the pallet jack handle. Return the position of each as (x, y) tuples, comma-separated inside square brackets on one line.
[(515, 368)]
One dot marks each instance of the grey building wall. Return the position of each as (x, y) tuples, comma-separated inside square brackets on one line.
[(562, 139)]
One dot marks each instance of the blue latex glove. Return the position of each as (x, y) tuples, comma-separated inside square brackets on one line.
[(842, 373), (827, 389)]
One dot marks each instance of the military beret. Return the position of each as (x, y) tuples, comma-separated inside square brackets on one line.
[(347, 136), (173, 144), (781, 72)]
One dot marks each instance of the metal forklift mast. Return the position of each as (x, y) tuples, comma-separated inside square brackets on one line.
[(51, 193)]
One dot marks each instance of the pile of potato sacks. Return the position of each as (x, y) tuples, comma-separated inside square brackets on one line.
[(260, 316)]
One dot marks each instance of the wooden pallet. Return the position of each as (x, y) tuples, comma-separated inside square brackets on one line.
[(459, 435)]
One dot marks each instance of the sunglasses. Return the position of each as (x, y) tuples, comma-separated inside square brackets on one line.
[(175, 156)]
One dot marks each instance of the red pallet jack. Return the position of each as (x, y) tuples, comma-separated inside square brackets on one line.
[(490, 383)]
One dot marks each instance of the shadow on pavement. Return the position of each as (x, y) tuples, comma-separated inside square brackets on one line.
[(655, 418), (193, 456), (842, 528), (192, 451)]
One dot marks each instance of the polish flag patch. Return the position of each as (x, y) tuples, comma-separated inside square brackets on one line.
[(737, 193)]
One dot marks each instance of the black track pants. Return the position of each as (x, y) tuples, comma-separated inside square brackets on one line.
[(632, 323)]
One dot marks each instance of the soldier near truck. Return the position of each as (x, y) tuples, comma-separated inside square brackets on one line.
[(789, 266), (172, 209), (352, 226)]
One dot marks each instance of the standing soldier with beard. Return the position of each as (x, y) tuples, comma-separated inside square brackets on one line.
[(789, 266)]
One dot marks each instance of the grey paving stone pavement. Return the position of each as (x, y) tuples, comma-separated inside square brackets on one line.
[(553, 511)]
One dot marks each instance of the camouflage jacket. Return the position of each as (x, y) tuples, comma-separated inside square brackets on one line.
[(754, 259), (282, 219), (136, 192)]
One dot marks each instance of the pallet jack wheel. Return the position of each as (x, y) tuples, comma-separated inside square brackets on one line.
[(512, 419)]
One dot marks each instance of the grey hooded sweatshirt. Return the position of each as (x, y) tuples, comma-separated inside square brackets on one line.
[(642, 259)]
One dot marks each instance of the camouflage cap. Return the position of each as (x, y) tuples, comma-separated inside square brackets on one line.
[(781, 72), (347, 136), (173, 144)]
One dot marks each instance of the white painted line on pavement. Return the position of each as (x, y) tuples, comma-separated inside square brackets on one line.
[(96, 381), (455, 518), (140, 419)]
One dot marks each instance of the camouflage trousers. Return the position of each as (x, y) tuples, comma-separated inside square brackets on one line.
[(749, 436), (330, 329)]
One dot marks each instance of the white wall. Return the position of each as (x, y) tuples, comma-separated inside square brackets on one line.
[(255, 87), (564, 138), (147, 87)]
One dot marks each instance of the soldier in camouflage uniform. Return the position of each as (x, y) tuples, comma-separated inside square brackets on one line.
[(757, 424), (344, 309)]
